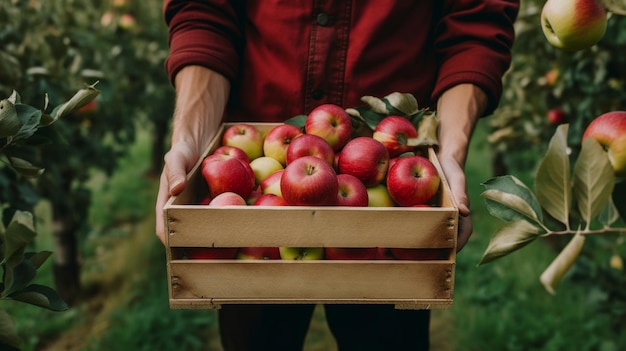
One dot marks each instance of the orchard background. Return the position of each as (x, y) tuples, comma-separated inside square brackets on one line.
[(93, 205)]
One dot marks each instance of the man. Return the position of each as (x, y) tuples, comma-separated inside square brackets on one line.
[(267, 61)]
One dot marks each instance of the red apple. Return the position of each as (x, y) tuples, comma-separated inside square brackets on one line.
[(246, 137), (301, 253), (557, 116), (417, 253), (278, 140), (350, 253), (205, 200), (227, 199), (394, 132), (271, 184), (412, 180), (232, 151), (310, 145), (309, 181), (332, 123), (200, 253), (254, 195), (270, 200), (378, 196), (263, 167), (224, 173), (258, 253), (352, 192), (609, 129), (365, 158), (384, 253)]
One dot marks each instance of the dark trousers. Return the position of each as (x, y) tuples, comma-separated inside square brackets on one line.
[(355, 327)]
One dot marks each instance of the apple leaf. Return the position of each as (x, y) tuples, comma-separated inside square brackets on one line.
[(427, 131), (551, 277), (376, 104), (514, 235), (81, 98), (18, 235), (42, 296), (9, 120), (401, 104), (608, 215), (509, 199), (9, 339), (618, 7), (593, 179), (297, 121), (25, 168), (552, 181)]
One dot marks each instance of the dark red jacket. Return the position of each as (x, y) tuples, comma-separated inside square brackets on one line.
[(285, 57)]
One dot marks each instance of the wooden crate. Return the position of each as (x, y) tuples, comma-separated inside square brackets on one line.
[(211, 283)]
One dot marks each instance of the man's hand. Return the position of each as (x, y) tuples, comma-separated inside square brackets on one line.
[(201, 96)]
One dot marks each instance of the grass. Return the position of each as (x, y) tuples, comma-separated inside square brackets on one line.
[(498, 306)]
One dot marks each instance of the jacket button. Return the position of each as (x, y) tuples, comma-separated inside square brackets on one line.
[(323, 19), (317, 94)]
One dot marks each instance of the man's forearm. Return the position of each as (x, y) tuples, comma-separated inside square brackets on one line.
[(201, 97)]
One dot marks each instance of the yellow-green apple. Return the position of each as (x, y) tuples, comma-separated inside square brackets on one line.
[(228, 198), (215, 253), (270, 200), (301, 253), (310, 145), (258, 253), (557, 116), (412, 180), (225, 173), (271, 184), (263, 167), (309, 181), (417, 253), (365, 158), (378, 196), (352, 192), (231, 151), (350, 253), (331, 122), (246, 137), (278, 140), (609, 129), (573, 25), (395, 132)]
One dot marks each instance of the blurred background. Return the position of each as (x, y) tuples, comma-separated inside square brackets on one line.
[(94, 204)]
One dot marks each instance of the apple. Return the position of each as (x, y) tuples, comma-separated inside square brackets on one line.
[(350, 253), (310, 145), (573, 25), (231, 151), (394, 132), (278, 140), (258, 253), (383, 253), (378, 196), (225, 173), (254, 195), (263, 167), (200, 253), (365, 158), (552, 76), (556, 116), (270, 200), (352, 192), (205, 200), (609, 129), (417, 253), (412, 180), (309, 181), (271, 184), (127, 22), (330, 122), (227, 199), (301, 253), (246, 137)]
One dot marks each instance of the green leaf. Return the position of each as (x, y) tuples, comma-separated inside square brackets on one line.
[(552, 182), (509, 199), (593, 179), (297, 121), (553, 275), (19, 234), (42, 296), (376, 105), (81, 98), (38, 258), (609, 214), (9, 120), (16, 279), (9, 339), (426, 131), (25, 168), (402, 104), (30, 118), (509, 238)]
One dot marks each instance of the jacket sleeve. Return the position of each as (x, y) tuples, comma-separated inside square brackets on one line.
[(473, 43), (205, 33)]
